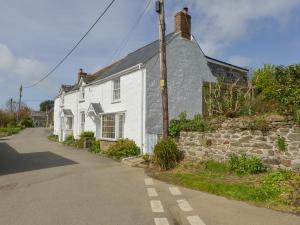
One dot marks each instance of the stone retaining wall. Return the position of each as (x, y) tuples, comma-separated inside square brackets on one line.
[(234, 137)]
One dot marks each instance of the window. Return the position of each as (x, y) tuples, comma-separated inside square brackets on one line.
[(116, 90), (121, 125), (108, 126), (113, 125), (62, 100), (82, 121), (69, 123)]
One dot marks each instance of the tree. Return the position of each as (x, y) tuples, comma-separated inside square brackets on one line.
[(46, 105)]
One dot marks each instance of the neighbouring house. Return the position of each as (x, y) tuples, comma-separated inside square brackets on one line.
[(123, 99), (39, 118)]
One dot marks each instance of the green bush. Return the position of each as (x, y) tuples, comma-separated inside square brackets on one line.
[(87, 134), (95, 147), (146, 157), (280, 84), (246, 164), (281, 144), (53, 138), (259, 123), (166, 154), (27, 122), (79, 143), (123, 148), (181, 123), (70, 140), (297, 116)]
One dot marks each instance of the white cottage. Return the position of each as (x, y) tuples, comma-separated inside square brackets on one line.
[(123, 99)]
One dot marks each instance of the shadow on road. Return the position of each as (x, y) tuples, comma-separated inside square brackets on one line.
[(13, 162)]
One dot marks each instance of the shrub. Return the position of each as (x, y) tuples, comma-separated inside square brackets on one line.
[(70, 140), (27, 122), (123, 148), (95, 147), (280, 84), (181, 123), (246, 164), (281, 144), (87, 134), (146, 157), (79, 143), (259, 123), (297, 116), (53, 138), (167, 154)]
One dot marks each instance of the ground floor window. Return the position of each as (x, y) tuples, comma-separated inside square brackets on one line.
[(113, 125)]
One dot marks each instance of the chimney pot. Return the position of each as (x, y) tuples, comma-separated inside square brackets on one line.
[(186, 10)]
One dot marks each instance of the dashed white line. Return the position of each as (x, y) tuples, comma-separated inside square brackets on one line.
[(156, 206), (161, 221), (184, 205), (148, 181), (195, 220), (152, 192), (175, 191)]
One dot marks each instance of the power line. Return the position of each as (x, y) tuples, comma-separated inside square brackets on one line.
[(75, 46), (128, 36)]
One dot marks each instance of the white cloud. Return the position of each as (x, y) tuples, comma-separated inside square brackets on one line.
[(239, 60), (219, 23), (25, 69)]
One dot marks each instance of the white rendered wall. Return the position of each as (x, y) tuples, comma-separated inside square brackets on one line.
[(131, 104)]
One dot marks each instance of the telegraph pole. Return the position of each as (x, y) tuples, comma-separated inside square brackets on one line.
[(19, 106), (11, 103), (160, 8)]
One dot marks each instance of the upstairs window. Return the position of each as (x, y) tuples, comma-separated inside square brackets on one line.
[(116, 90)]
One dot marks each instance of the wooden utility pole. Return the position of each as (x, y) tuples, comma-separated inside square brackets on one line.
[(19, 106), (11, 103), (160, 8)]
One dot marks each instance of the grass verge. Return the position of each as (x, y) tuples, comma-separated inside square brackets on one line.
[(278, 190)]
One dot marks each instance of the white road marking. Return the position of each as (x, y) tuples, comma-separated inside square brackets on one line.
[(184, 205), (156, 206), (161, 221), (195, 220), (148, 181), (152, 192), (175, 191)]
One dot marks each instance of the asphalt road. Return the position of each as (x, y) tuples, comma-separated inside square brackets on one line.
[(46, 183)]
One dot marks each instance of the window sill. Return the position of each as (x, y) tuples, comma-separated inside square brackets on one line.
[(116, 101), (108, 139), (81, 100)]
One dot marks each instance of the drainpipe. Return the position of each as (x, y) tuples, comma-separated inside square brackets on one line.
[(142, 107)]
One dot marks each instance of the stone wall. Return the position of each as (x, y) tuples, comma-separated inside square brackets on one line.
[(235, 136)]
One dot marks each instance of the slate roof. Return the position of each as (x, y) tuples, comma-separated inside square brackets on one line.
[(96, 107), (141, 55), (38, 113)]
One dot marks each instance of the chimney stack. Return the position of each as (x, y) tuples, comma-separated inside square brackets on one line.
[(183, 23), (81, 74)]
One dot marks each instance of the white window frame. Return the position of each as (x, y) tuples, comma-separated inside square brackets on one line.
[(114, 90), (117, 126)]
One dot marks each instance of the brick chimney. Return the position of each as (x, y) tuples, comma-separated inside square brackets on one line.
[(81, 74), (183, 23)]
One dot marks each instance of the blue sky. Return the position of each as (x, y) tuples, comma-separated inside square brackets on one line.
[(36, 34)]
